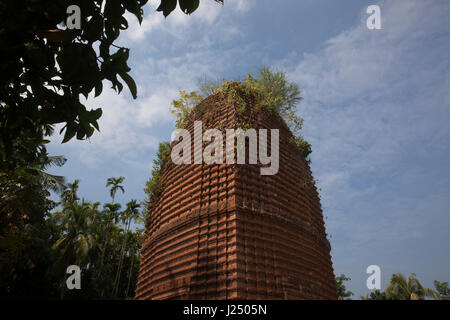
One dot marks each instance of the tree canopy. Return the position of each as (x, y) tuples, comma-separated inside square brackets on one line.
[(271, 89), (343, 293), (34, 254), (45, 67), (401, 288)]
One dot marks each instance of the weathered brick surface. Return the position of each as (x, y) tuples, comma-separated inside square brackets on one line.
[(227, 232)]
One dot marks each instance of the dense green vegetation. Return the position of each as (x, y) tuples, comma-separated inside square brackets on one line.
[(45, 70), (343, 294), (399, 288), (153, 185), (46, 67), (268, 89), (36, 250)]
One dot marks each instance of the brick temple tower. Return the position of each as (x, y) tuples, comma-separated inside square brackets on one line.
[(224, 231)]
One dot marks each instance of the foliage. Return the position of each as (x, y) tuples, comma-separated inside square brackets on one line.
[(400, 288), (24, 242), (131, 213), (268, 90), (76, 239), (34, 258), (303, 146), (153, 185), (375, 295), (208, 87), (187, 6), (51, 181), (45, 70), (342, 290), (115, 184), (24, 189), (46, 67), (25, 255), (443, 290), (281, 96), (182, 107), (49, 66)]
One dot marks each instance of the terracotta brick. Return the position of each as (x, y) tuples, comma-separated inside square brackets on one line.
[(227, 232)]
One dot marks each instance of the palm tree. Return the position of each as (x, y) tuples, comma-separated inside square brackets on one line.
[(77, 239), (137, 237), (115, 184), (375, 295), (130, 213), (50, 181), (442, 289), (69, 195), (43, 161), (400, 288), (112, 213)]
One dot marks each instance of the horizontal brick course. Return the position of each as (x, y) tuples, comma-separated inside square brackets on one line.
[(226, 232)]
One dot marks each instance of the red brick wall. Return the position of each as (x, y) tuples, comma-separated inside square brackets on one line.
[(227, 232)]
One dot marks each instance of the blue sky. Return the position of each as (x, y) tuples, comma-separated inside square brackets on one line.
[(376, 108)]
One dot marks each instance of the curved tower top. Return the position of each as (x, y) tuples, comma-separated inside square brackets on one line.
[(224, 231)]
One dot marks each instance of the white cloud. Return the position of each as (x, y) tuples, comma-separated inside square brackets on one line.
[(375, 103), (240, 5), (178, 24), (137, 31), (124, 127), (360, 62), (129, 127), (356, 89), (155, 108)]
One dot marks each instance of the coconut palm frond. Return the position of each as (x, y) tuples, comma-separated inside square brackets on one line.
[(53, 182), (69, 195), (398, 288), (431, 293), (414, 296), (57, 160), (115, 184)]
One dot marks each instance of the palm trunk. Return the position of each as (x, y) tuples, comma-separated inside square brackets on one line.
[(129, 275), (119, 269), (100, 269)]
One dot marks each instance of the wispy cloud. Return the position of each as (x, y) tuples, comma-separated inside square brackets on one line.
[(178, 24), (376, 107), (123, 129), (131, 129)]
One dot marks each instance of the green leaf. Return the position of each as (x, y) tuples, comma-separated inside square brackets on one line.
[(188, 6), (97, 113), (95, 124), (167, 6), (8, 242), (80, 133), (130, 83), (123, 23), (70, 132), (89, 131), (93, 29), (98, 88)]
